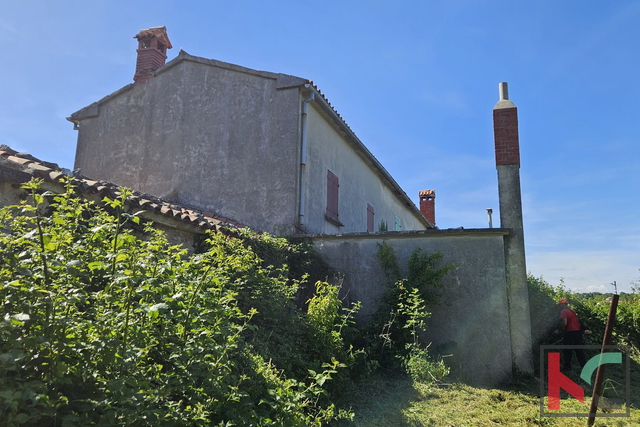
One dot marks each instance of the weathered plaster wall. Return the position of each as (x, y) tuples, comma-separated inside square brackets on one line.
[(202, 136), (11, 194), (328, 150), (472, 321), (518, 293)]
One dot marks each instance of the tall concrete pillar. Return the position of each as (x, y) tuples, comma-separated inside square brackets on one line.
[(505, 127)]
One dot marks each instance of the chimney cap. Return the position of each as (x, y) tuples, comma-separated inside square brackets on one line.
[(159, 32), (427, 193), (504, 102)]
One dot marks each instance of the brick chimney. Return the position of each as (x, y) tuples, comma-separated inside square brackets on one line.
[(428, 205), (152, 52)]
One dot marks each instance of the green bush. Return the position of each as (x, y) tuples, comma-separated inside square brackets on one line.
[(591, 308), (424, 368), (400, 320), (104, 323)]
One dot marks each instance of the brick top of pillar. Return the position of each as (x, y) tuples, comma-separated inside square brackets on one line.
[(505, 129)]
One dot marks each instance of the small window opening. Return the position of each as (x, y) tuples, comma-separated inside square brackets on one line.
[(398, 224)]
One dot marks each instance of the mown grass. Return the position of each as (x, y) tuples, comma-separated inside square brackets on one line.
[(396, 401)]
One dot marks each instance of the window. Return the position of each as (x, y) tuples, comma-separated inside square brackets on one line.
[(370, 215), (332, 199), (398, 224)]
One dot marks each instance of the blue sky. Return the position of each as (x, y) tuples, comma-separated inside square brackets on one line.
[(416, 81)]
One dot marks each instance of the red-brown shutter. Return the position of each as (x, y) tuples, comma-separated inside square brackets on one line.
[(332, 195), (369, 218)]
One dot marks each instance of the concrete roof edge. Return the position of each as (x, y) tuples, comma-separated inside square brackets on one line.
[(412, 233), (184, 56), (92, 110), (401, 194), (284, 81)]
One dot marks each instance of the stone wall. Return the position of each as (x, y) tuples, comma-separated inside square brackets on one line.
[(472, 320)]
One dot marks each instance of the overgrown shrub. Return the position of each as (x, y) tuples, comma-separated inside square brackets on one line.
[(425, 368), (102, 326), (400, 320), (591, 308)]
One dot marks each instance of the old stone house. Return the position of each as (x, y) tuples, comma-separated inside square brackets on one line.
[(268, 151), (264, 149)]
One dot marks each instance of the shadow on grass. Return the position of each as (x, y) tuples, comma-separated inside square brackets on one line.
[(394, 400), (380, 401)]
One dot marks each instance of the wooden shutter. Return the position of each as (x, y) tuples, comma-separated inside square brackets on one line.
[(369, 218), (332, 196), (398, 224)]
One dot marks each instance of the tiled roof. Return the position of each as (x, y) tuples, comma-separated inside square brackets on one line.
[(330, 105), (25, 166)]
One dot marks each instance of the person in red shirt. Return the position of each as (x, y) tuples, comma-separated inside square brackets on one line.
[(572, 329)]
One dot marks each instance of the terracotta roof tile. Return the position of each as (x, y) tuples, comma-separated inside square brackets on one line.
[(54, 176), (52, 173), (19, 160), (39, 167)]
